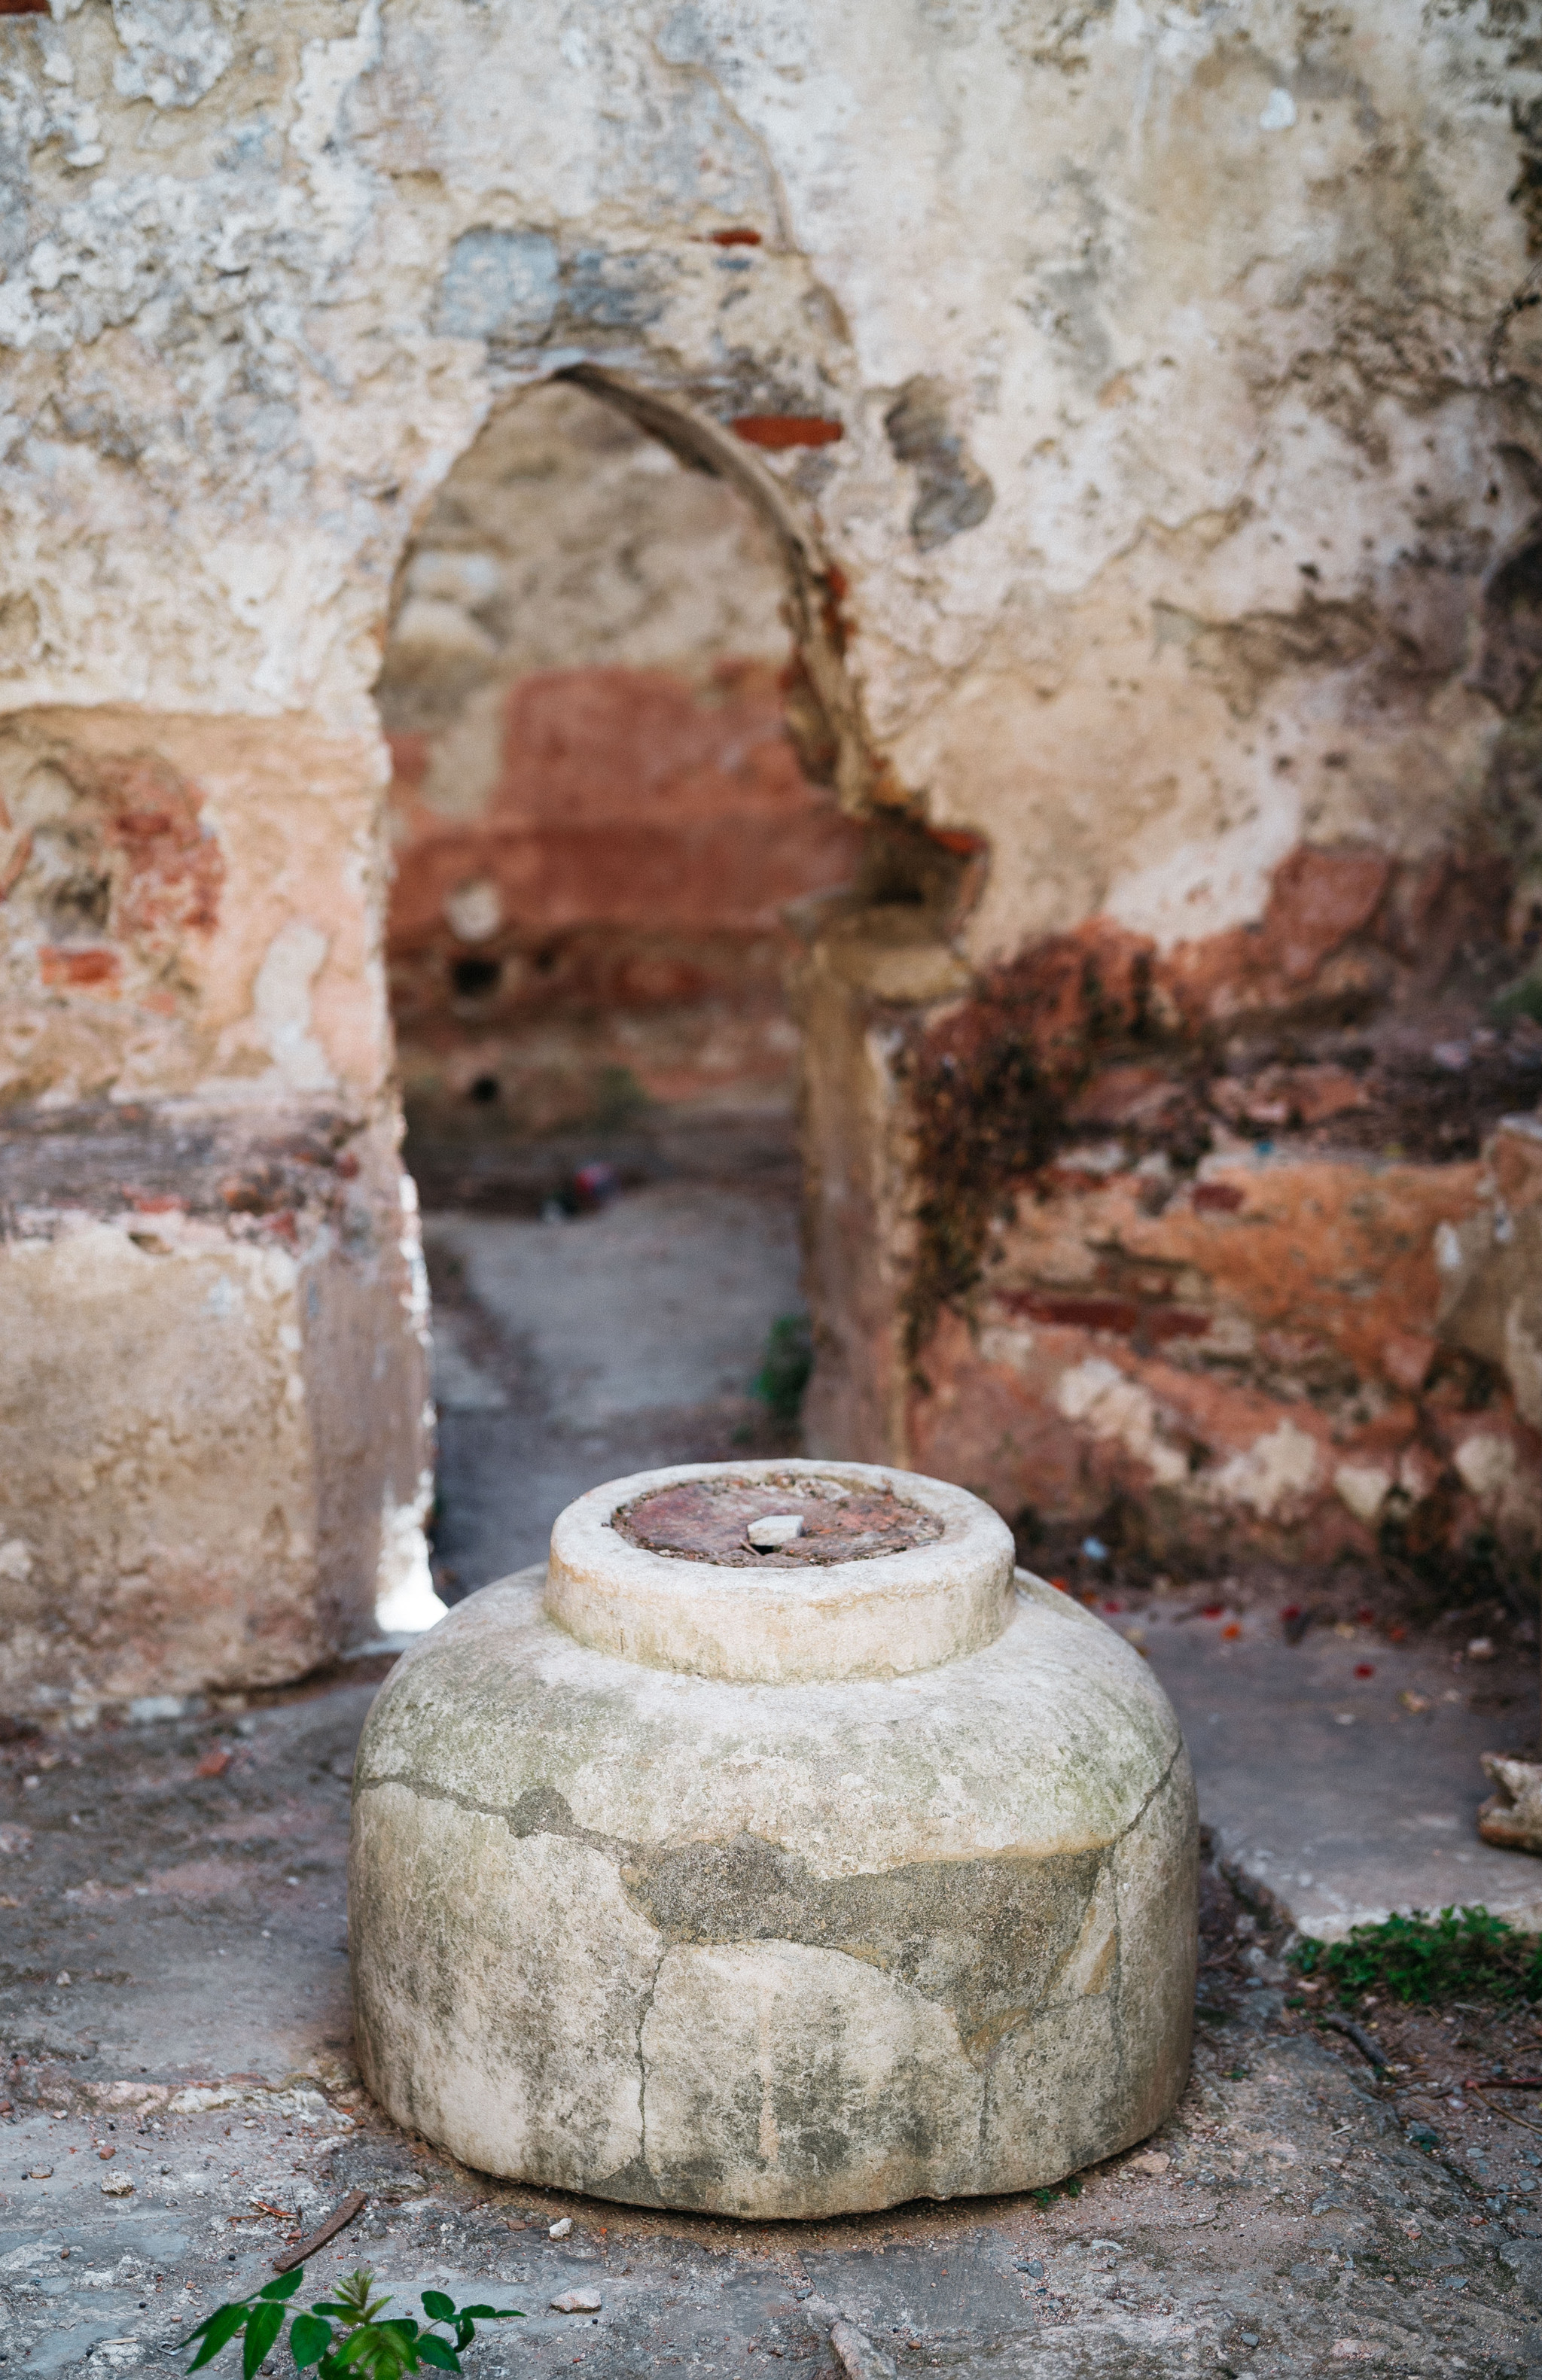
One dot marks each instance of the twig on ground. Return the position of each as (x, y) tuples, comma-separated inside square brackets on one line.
[(340, 2217), (1509, 2113), (1357, 2033)]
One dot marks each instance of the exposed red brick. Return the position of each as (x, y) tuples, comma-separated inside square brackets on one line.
[(627, 799), (740, 235), (90, 970), (1216, 1197), (778, 430), (644, 836), (1125, 1315), (1319, 898), (410, 754), (175, 871), (1121, 1314)]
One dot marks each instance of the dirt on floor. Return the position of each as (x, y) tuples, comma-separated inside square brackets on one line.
[(179, 2104), (174, 2004)]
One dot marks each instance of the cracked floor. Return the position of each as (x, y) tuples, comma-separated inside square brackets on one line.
[(174, 2012), (174, 2006)]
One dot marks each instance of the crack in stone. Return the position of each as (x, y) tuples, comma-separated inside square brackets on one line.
[(987, 1939), (645, 2009)]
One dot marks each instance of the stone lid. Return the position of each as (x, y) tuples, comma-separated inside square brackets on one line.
[(886, 1572)]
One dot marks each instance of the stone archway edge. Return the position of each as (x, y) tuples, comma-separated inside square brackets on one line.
[(814, 581)]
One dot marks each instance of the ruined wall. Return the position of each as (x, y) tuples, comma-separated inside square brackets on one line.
[(597, 815), (1142, 405)]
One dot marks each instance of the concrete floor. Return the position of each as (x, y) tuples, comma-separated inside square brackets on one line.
[(1346, 1796), (172, 1999), (567, 1353), (173, 1981)]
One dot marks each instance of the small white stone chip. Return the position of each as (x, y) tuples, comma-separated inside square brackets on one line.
[(774, 1529), (118, 2185), (577, 2302), (560, 2229)]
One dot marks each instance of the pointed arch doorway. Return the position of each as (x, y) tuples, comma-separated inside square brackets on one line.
[(624, 751)]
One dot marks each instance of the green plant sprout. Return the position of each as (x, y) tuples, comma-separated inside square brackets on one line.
[(1424, 1958), (343, 2334), (784, 1372)]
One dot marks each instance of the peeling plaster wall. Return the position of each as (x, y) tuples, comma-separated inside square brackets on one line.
[(1161, 388)]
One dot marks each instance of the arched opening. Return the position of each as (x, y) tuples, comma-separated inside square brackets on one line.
[(601, 816)]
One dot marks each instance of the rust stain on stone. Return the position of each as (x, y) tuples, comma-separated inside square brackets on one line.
[(706, 1520)]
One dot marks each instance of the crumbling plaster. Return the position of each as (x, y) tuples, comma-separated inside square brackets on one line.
[(1185, 388), (1190, 341), (1212, 293)]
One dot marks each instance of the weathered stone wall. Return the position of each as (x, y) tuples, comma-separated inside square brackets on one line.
[(597, 815), (1142, 405)]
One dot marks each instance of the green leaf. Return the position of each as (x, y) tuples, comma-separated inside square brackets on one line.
[(236, 2306), (310, 2339), (357, 2343), (262, 2326), (284, 2286), (392, 2350), (437, 2351), (441, 2307), (220, 2327), (380, 2347)]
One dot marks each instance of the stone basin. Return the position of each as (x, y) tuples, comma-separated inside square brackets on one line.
[(774, 1883)]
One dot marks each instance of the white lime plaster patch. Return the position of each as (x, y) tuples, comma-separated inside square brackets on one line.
[(1487, 1465), (1098, 1393), (1522, 1359), (1364, 1490), (474, 911), (1280, 1464), (281, 1004), (1009, 1344), (175, 51), (1208, 883)]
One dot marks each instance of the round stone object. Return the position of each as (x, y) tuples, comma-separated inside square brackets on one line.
[(780, 1880)]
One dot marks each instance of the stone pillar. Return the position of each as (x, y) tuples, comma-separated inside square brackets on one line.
[(214, 1457), (868, 977)]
